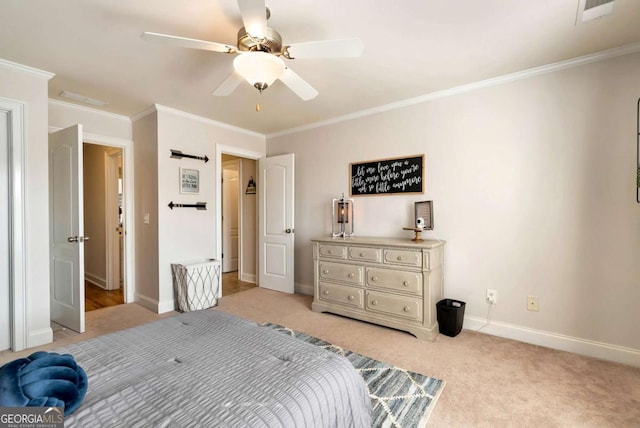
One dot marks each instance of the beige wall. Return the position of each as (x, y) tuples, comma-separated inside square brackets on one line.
[(145, 137), (183, 234), (31, 89), (533, 184)]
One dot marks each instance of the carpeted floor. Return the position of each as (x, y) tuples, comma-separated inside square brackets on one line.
[(491, 382)]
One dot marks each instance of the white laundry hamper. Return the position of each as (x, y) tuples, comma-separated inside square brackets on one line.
[(196, 284)]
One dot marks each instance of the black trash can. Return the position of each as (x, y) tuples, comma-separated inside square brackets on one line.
[(450, 316)]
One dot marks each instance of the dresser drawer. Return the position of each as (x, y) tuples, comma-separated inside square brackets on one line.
[(403, 257), (398, 280), (337, 251), (365, 254), (342, 294), (341, 272), (397, 306)]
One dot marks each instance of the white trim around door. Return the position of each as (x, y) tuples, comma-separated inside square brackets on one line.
[(17, 241)]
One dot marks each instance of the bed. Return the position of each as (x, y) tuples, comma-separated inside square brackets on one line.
[(211, 369)]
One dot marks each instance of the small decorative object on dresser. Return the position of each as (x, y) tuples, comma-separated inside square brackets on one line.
[(418, 231), (386, 281)]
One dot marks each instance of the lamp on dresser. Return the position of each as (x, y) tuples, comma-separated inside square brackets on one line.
[(342, 217)]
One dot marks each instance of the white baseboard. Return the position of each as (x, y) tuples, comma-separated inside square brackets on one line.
[(590, 348), (305, 289), (153, 305), (248, 277), (40, 337), (96, 280)]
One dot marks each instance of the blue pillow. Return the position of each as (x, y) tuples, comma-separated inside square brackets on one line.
[(43, 379)]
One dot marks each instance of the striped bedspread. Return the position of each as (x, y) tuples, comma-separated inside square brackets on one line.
[(211, 369)]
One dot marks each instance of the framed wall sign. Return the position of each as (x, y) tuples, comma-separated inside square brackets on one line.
[(387, 176), (189, 181)]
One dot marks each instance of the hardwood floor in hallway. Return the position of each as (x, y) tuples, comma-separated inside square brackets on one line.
[(231, 284), (98, 298)]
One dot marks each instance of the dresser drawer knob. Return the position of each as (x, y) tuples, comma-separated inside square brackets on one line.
[(405, 283), (351, 297), (325, 292), (363, 254), (406, 309), (325, 271), (350, 275), (330, 252), (399, 258), (374, 302), (374, 278)]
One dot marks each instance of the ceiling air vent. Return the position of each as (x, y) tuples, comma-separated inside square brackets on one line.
[(589, 10)]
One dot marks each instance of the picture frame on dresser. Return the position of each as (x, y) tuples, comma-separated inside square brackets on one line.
[(424, 210)]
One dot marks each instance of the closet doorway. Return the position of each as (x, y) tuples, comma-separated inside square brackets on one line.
[(238, 220)]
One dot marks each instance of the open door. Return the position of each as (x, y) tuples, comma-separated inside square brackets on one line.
[(66, 228), (276, 222)]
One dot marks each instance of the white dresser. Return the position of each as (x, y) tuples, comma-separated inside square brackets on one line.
[(387, 281)]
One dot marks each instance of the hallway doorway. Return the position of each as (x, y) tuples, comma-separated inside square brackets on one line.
[(238, 219), (103, 223)]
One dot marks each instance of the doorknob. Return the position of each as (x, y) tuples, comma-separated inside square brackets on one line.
[(77, 238), (289, 230)]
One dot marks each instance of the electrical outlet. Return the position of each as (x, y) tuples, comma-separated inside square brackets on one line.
[(532, 303), (492, 296)]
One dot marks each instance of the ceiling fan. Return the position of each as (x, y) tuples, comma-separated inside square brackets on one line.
[(260, 51)]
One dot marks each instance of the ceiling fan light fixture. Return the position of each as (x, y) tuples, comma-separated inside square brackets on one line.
[(260, 69)]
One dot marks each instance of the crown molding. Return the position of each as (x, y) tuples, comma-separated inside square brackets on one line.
[(507, 78), (53, 101), (144, 113), (26, 69), (195, 117)]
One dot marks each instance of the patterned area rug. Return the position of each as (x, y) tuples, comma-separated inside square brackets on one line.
[(399, 398)]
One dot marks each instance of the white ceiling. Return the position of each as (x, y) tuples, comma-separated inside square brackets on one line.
[(412, 48)]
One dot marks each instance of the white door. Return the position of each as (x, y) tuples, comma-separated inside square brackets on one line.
[(230, 189), (5, 320), (66, 228), (276, 222)]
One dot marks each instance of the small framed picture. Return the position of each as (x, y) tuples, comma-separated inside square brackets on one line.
[(424, 215), (189, 181)]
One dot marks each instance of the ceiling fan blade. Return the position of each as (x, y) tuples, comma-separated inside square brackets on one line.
[(298, 85), (188, 43), (343, 48), (254, 17), (229, 85)]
